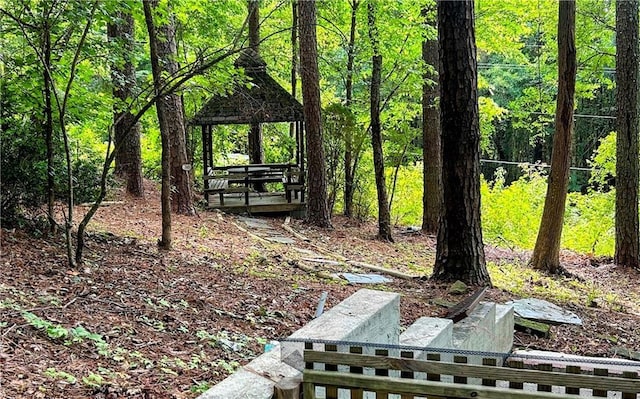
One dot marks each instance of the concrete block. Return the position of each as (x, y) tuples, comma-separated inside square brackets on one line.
[(504, 328), (476, 332), (256, 380), (366, 316), (433, 332)]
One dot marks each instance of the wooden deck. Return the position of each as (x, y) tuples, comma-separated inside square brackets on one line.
[(258, 203)]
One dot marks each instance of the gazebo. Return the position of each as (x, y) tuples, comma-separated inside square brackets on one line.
[(263, 100)]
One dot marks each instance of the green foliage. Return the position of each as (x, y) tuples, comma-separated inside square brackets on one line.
[(52, 372), (591, 221), (604, 161), (511, 214)]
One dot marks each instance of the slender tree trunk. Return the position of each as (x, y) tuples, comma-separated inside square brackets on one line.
[(627, 242), (123, 76), (546, 254), (48, 127), (169, 109), (317, 208), (349, 169), (431, 148), (165, 241), (384, 215), (460, 251)]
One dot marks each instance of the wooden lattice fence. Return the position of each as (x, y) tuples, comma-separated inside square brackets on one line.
[(365, 372)]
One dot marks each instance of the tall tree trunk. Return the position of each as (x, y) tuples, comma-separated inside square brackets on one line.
[(123, 76), (546, 254), (627, 242), (165, 240), (294, 63), (255, 142), (460, 251), (349, 169), (169, 109), (48, 126), (317, 208), (431, 148), (384, 214)]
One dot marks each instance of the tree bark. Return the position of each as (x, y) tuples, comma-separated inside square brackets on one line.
[(165, 195), (627, 250), (460, 250), (546, 254), (384, 215), (169, 109), (317, 208), (123, 75), (349, 170), (255, 142), (48, 126), (431, 147)]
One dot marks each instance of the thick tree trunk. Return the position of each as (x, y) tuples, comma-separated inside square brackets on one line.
[(546, 254), (123, 75), (627, 251), (317, 208), (256, 149), (460, 251), (349, 170), (384, 215), (431, 148), (294, 64), (169, 109)]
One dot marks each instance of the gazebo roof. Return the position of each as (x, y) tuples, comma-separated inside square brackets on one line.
[(264, 101)]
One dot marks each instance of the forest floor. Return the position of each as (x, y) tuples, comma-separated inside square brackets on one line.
[(137, 322)]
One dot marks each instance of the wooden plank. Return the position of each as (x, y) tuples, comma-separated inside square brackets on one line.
[(477, 371), (356, 393), (332, 389), (631, 393), (544, 367), (408, 374), (489, 361), (384, 270), (600, 393), (435, 357), (380, 394), (421, 388), (462, 309), (519, 365), (460, 378), (570, 389)]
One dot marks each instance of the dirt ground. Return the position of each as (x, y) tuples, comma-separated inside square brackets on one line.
[(137, 322)]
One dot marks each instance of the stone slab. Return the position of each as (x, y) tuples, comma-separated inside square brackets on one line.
[(543, 311)]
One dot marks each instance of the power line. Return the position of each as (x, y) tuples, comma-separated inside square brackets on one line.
[(576, 115), (537, 165)]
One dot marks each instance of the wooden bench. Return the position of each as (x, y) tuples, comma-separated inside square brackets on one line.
[(382, 374), (293, 184), (219, 184)]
